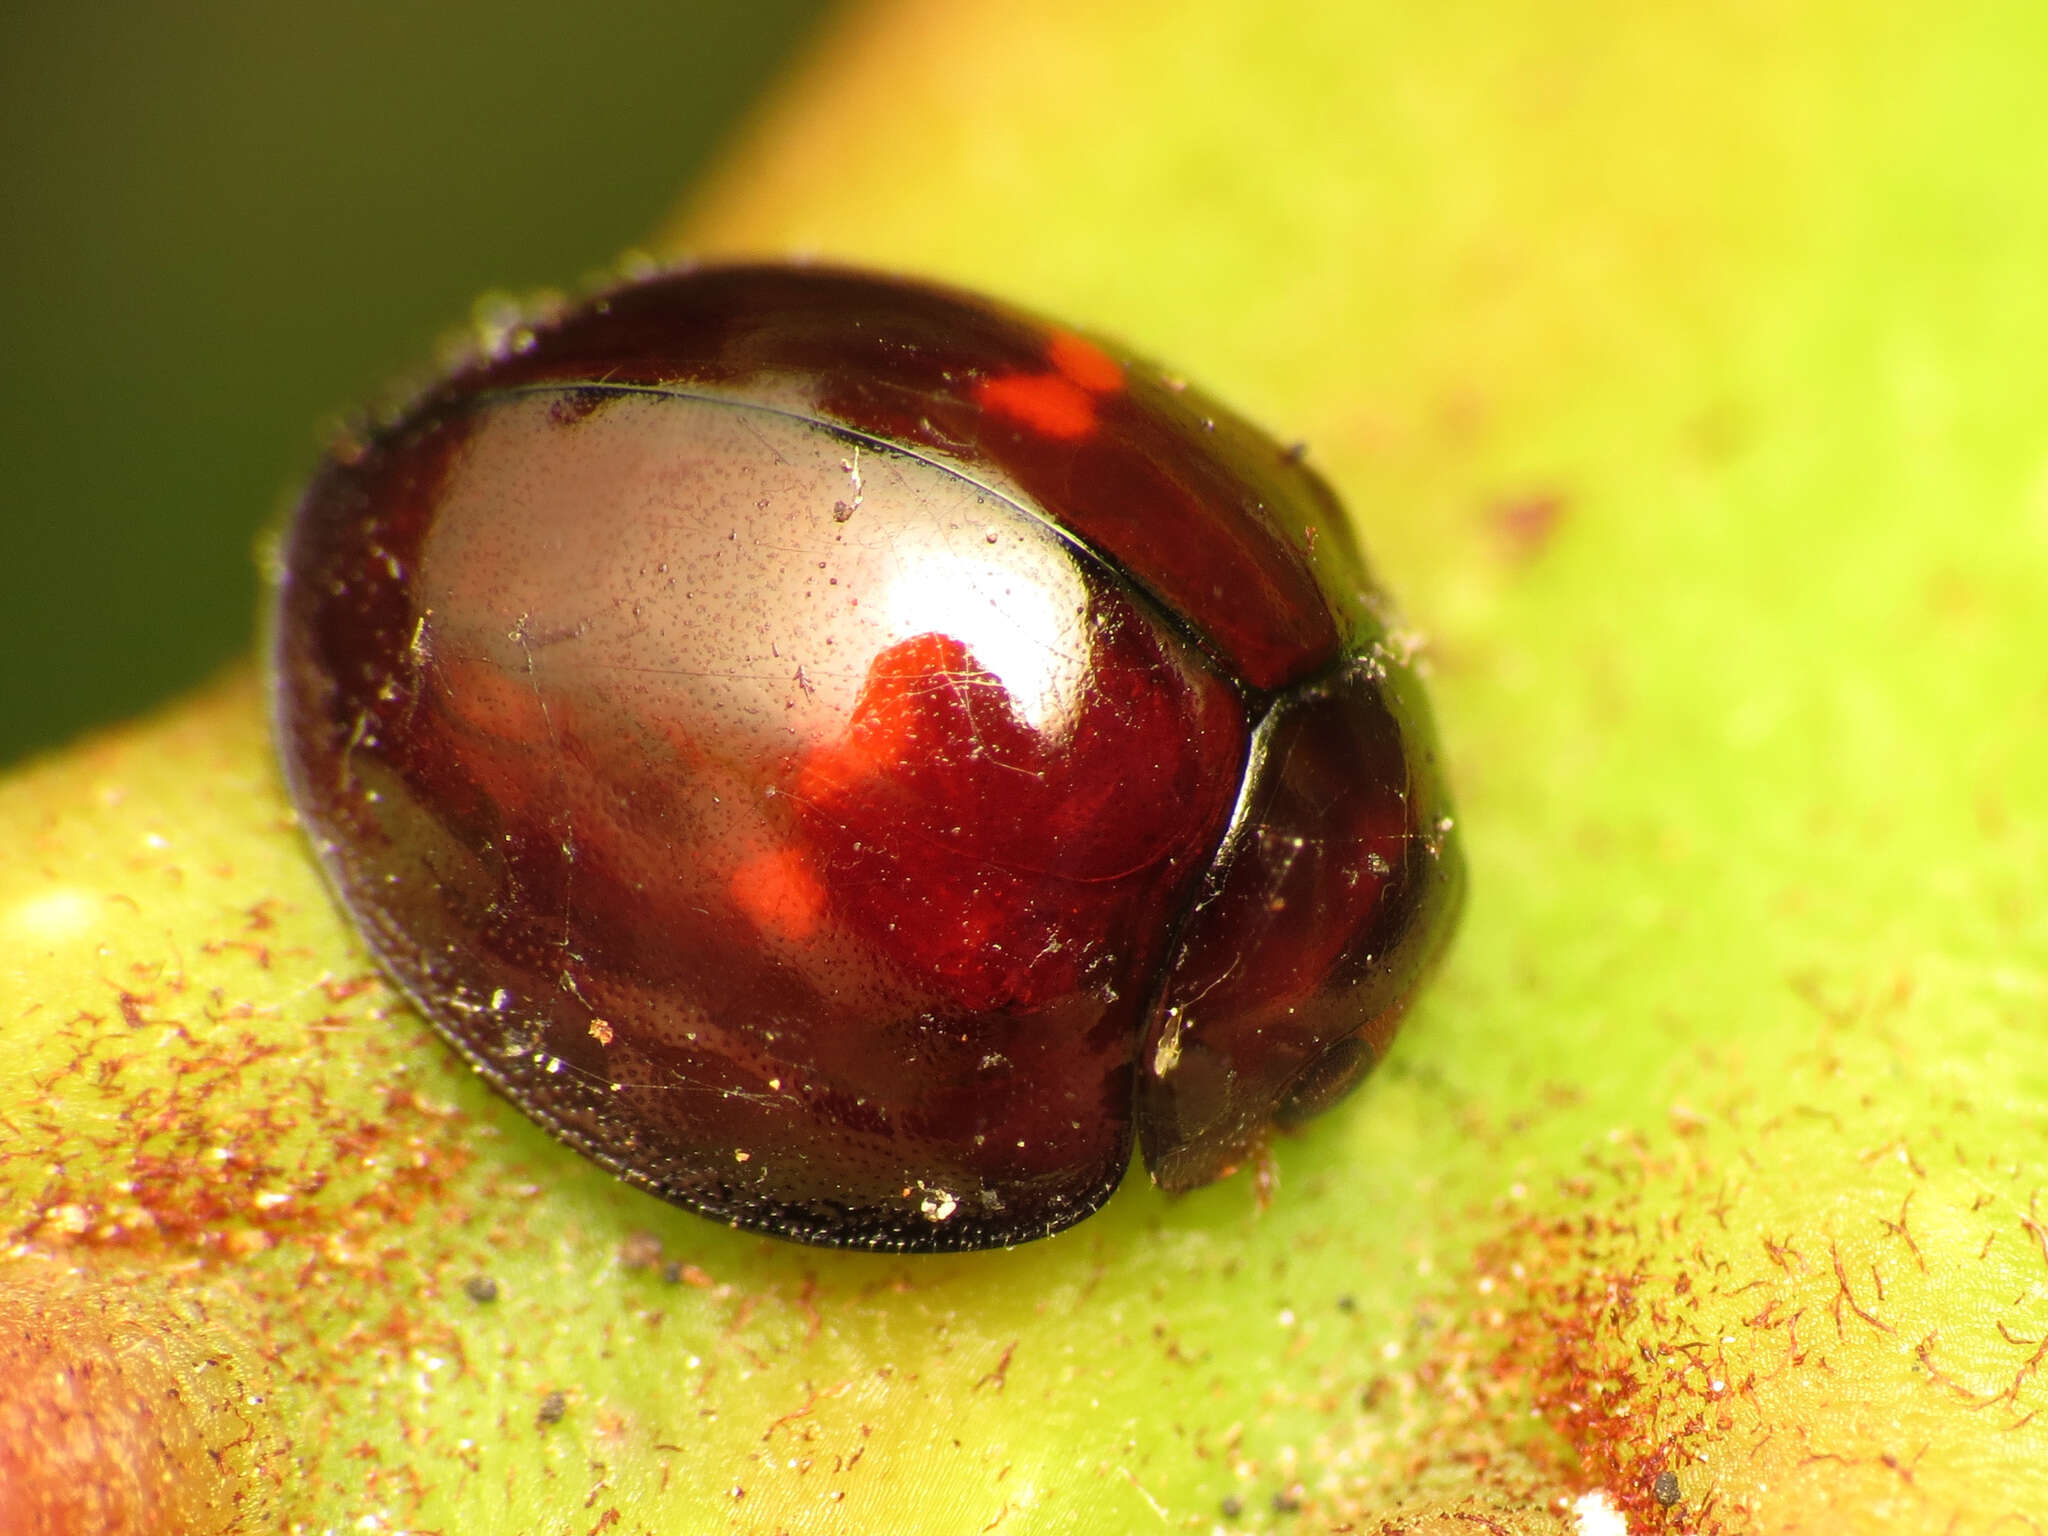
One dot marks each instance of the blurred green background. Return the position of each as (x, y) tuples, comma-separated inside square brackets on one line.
[(223, 221)]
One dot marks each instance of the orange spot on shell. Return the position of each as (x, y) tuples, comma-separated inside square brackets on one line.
[(1048, 403), (890, 712), (779, 893), (1086, 364)]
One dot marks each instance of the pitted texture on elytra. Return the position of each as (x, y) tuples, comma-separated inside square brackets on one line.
[(745, 754)]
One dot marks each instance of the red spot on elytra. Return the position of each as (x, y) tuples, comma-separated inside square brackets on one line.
[(904, 684), (779, 893), (1085, 363), (1060, 403), (1047, 403)]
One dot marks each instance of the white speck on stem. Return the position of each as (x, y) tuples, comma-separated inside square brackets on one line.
[(1597, 1515)]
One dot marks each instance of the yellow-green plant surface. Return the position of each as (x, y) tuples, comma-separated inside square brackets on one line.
[(1681, 365)]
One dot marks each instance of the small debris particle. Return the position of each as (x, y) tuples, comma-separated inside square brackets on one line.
[(1232, 1507), (1287, 1502), (552, 1407), (640, 1250), (480, 1289), (1597, 1515), (1347, 1303), (1665, 1490)]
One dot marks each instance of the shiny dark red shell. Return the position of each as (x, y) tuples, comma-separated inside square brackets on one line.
[(852, 757)]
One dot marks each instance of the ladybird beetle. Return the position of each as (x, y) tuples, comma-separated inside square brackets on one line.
[(853, 758)]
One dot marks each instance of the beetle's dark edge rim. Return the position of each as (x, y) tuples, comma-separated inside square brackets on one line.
[(769, 1220)]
